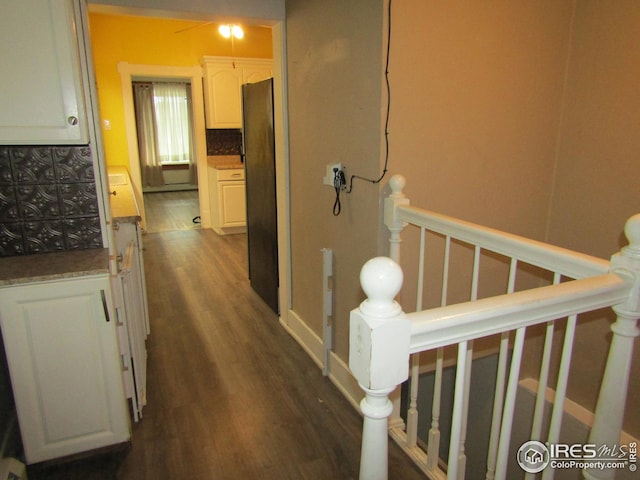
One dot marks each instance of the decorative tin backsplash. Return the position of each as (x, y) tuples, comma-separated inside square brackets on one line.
[(223, 141), (48, 200)]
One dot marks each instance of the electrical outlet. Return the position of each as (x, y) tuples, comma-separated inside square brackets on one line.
[(331, 173)]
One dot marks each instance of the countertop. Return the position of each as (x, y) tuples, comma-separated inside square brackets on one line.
[(225, 162), (44, 267), (124, 207)]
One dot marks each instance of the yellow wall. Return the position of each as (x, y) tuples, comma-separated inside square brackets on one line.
[(154, 41)]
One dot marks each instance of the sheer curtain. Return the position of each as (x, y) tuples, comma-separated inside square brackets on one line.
[(193, 165), (163, 114), (150, 164)]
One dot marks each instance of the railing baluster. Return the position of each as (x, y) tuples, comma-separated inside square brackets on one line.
[(543, 379), (433, 447), (509, 405), (445, 271), (412, 412), (561, 389), (414, 378), (462, 458), (498, 401), (421, 254), (453, 471), (501, 375)]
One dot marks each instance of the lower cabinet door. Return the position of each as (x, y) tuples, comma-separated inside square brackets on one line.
[(233, 210), (65, 366)]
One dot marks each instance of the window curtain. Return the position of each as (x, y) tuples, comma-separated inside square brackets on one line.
[(150, 164), (165, 136), (193, 164)]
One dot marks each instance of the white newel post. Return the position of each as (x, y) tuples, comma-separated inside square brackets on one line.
[(395, 199), (391, 220), (609, 413), (379, 337)]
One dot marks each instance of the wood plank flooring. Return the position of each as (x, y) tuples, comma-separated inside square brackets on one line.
[(168, 211), (230, 394)]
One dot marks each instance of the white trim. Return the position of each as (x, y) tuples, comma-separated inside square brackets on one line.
[(281, 133), (194, 74), (339, 372)]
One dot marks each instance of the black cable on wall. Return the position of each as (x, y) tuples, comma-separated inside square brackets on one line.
[(386, 125)]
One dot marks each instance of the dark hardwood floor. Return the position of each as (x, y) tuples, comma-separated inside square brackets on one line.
[(168, 211), (230, 394)]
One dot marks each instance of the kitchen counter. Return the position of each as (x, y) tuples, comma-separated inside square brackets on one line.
[(43, 267), (225, 162), (124, 207)]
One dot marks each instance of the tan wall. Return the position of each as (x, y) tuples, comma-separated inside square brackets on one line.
[(598, 171), (476, 102), (334, 87), (476, 92), (478, 95)]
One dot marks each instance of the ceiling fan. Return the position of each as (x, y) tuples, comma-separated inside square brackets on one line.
[(191, 27), (227, 30)]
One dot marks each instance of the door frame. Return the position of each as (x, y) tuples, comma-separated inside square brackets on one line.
[(281, 130), (129, 73)]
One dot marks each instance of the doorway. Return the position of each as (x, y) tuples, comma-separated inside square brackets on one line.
[(164, 129), (130, 73), (127, 71)]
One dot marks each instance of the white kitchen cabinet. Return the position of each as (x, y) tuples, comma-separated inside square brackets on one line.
[(41, 89), (65, 366), (223, 80), (132, 312), (228, 201)]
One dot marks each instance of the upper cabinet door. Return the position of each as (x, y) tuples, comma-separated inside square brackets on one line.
[(41, 93), (223, 80), (224, 105)]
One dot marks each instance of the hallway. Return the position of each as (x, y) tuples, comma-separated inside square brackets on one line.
[(230, 394)]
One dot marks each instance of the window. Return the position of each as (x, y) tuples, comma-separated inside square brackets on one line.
[(171, 106)]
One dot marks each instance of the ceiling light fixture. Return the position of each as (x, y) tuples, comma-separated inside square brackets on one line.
[(228, 31)]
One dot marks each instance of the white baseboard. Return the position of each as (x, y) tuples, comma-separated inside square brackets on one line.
[(339, 372)]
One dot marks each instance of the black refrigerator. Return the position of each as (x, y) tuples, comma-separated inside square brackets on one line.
[(260, 174)]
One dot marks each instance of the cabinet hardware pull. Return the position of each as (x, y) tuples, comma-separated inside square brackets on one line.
[(104, 305), (125, 368), (113, 193), (119, 322)]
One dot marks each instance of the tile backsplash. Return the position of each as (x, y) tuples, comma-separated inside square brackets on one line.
[(224, 141), (48, 200)]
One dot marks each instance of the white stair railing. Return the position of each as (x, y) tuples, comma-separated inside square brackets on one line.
[(383, 339)]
